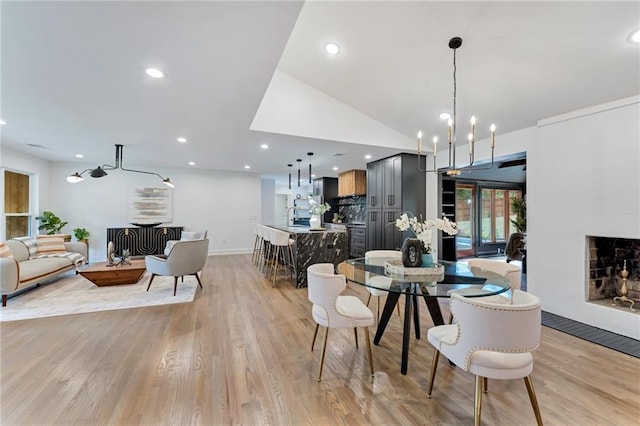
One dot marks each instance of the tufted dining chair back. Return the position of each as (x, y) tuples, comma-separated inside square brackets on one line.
[(492, 341)]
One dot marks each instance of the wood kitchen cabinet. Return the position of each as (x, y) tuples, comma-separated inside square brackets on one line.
[(352, 182), (394, 185)]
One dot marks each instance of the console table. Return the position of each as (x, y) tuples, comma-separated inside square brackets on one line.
[(143, 241)]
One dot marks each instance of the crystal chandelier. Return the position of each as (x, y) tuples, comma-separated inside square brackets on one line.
[(453, 169)]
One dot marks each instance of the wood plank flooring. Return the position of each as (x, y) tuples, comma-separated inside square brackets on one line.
[(240, 354)]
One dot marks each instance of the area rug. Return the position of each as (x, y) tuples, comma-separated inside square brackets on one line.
[(74, 294)]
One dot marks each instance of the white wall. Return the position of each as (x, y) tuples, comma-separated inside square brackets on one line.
[(583, 178), (225, 203), (268, 201)]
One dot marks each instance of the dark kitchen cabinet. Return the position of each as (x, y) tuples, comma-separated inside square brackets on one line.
[(394, 185)]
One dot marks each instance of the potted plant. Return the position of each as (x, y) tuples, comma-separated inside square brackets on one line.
[(81, 234), (51, 224), (519, 207)]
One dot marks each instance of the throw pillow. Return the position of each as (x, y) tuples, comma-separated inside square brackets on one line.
[(195, 235), (48, 244), (5, 251), (186, 236)]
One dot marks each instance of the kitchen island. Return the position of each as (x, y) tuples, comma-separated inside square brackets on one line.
[(311, 247)]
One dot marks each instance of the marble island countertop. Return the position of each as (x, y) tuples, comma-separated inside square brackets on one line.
[(301, 229)]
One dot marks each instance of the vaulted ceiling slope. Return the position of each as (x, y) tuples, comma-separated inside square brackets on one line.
[(244, 73)]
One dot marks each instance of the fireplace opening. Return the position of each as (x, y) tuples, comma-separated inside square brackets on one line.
[(608, 258)]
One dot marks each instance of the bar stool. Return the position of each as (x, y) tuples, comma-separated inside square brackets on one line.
[(257, 244), (266, 250), (282, 246)]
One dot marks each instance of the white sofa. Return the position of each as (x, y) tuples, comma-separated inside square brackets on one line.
[(19, 272)]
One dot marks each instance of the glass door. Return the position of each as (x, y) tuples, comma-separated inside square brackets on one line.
[(465, 218)]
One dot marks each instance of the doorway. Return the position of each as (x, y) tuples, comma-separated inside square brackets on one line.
[(465, 218)]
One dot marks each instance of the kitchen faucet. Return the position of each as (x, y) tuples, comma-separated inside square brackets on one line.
[(289, 210)]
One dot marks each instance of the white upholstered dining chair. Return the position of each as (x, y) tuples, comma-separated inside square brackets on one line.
[(331, 310), (492, 341), (508, 270), (371, 256)]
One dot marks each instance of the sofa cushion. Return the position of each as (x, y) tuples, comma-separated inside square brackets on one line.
[(39, 268), (30, 244), (5, 251), (49, 244)]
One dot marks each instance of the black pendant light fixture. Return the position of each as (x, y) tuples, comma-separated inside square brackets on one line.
[(453, 169), (100, 171), (299, 160), (289, 166), (309, 154)]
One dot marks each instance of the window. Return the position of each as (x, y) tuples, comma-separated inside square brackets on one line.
[(17, 210), (496, 214)]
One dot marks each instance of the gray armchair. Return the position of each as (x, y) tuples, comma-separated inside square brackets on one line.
[(185, 258)]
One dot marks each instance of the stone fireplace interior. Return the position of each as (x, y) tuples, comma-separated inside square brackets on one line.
[(607, 257)]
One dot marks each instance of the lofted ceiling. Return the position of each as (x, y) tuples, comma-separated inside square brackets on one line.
[(240, 74)]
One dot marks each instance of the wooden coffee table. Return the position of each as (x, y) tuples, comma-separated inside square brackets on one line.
[(102, 275)]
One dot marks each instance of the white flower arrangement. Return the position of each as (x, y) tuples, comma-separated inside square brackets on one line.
[(318, 209), (424, 230)]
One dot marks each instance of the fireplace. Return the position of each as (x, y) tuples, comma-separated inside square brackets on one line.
[(607, 257)]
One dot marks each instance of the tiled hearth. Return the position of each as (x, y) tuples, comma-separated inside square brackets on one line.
[(605, 262)]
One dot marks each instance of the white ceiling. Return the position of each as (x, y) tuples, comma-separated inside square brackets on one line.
[(244, 73)]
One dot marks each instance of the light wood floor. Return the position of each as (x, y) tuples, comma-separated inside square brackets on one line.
[(240, 354)]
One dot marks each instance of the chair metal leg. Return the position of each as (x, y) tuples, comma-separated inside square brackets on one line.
[(485, 385), (275, 266), (151, 279), (534, 400), (369, 299), (324, 348), (377, 310), (315, 334), (432, 376), (198, 278), (477, 401), (355, 333), (366, 335), (450, 317), (175, 285)]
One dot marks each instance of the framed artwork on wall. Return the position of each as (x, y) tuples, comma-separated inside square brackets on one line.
[(150, 205)]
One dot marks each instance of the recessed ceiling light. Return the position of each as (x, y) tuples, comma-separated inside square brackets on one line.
[(247, 166), (335, 168), (79, 156), (444, 116), (332, 48), (635, 36), (264, 146), (367, 157), (192, 163), (154, 72), (182, 140), (2, 122)]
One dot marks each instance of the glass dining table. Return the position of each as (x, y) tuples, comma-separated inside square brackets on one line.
[(447, 277)]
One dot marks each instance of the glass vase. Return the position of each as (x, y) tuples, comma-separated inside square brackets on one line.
[(427, 260)]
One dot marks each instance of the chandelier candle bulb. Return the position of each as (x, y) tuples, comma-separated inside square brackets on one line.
[(435, 142), (450, 122), (419, 141), (470, 137)]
